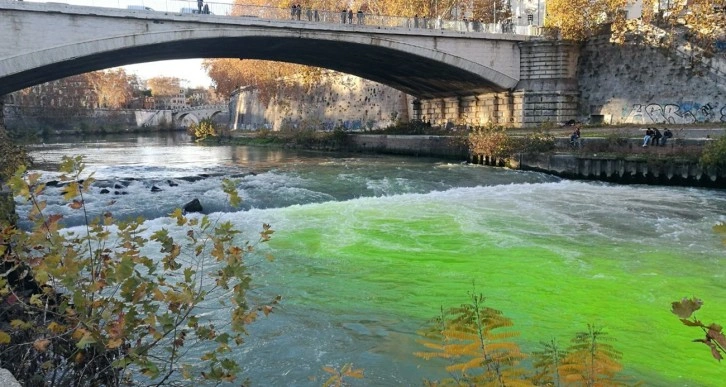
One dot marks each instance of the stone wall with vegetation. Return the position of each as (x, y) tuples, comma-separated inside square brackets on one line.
[(649, 75), (335, 100)]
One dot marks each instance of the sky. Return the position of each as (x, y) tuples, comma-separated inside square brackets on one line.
[(184, 69)]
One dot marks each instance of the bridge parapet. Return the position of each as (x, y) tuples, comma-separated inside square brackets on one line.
[(189, 8), (217, 107)]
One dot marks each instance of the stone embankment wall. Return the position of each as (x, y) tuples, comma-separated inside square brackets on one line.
[(624, 171), (59, 121), (571, 166), (333, 100), (654, 76), (428, 146)]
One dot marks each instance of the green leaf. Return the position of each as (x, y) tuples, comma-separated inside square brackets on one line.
[(85, 341), (230, 188), (188, 273)]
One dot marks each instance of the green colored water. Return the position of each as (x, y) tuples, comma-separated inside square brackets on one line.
[(369, 248), (550, 266)]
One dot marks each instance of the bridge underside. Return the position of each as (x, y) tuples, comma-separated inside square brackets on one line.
[(413, 74)]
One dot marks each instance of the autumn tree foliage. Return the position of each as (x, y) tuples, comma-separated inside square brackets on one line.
[(591, 360), (579, 19), (164, 86), (705, 20), (477, 343), (91, 308), (112, 87), (491, 11)]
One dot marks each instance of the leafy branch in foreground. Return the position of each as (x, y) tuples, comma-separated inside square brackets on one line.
[(338, 377), (475, 341), (591, 360), (97, 306), (714, 337)]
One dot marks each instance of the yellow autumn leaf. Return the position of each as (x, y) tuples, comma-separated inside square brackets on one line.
[(114, 343), (4, 338), (20, 324), (78, 333), (36, 301), (56, 328)]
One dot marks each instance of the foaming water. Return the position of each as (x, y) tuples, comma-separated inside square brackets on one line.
[(369, 248), (547, 257)]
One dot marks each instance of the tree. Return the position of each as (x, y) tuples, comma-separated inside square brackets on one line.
[(12, 156), (492, 141), (164, 86), (266, 76), (714, 154), (579, 19), (90, 307), (491, 11), (112, 87)]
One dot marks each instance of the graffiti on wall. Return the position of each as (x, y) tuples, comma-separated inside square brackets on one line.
[(682, 113)]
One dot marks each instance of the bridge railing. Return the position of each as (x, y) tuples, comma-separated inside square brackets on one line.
[(306, 15)]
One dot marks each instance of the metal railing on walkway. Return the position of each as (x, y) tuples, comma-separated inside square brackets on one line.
[(195, 8)]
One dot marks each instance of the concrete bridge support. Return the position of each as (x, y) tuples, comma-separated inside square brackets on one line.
[(547, 92)]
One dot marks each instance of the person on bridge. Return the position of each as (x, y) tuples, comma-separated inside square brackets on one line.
[(200, 4), (350, 16), (343, 15), (360, 16)]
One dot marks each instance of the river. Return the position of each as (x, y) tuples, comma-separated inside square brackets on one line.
[(369, 247)]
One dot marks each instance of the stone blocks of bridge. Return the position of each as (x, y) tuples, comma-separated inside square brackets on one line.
[(547, 92)]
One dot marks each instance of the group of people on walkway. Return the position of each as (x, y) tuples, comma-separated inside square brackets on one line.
[(653, 136), (311, 14), (348, 14), (202, 8)]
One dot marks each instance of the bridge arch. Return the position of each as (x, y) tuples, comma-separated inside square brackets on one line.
[(409, 61)]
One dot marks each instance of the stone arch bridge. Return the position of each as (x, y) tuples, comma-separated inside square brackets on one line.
[(453, 74), (194, 114)]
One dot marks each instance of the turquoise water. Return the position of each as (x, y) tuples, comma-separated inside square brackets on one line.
[(368, 248)]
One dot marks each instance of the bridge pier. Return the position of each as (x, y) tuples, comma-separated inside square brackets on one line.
[(547, 92)]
